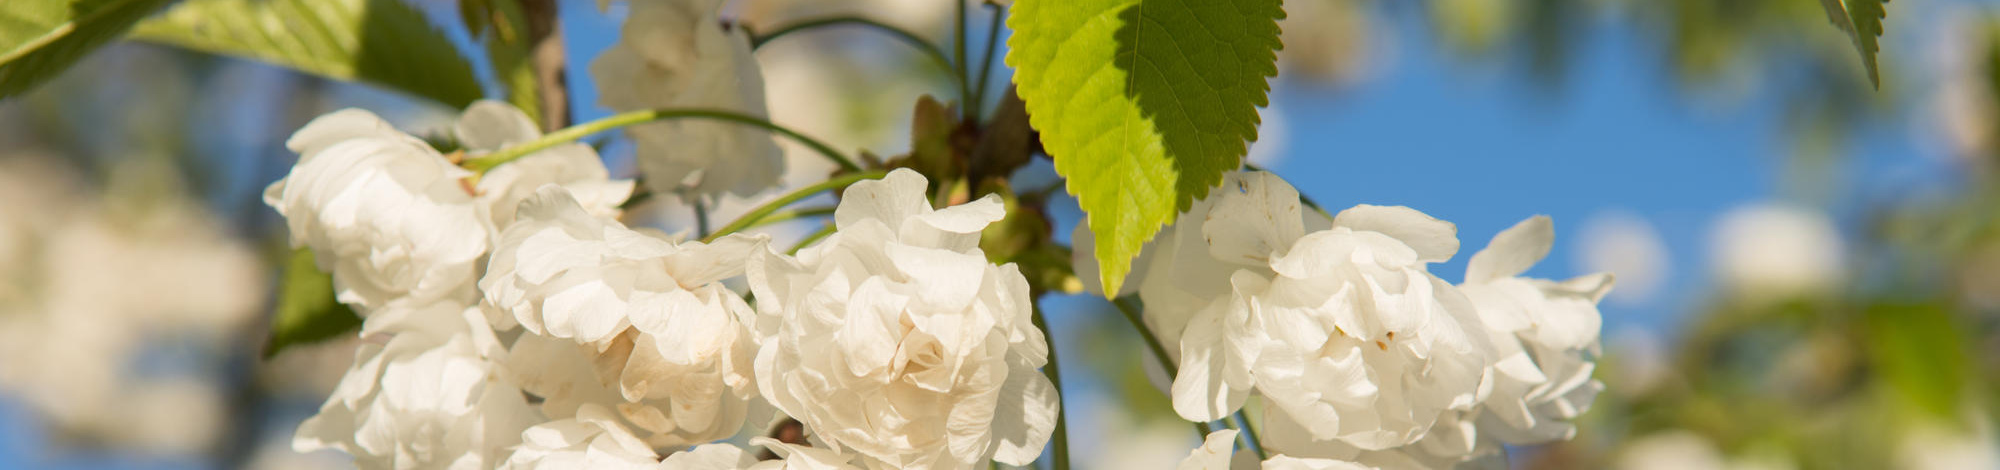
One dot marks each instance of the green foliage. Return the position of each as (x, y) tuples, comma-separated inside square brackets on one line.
[(1921, 356), (383, 42), (1862, 21), (307, 311), (503, 28), (40, 38), (1143, 103)]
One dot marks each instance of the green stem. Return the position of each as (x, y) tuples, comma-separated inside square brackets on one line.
[(792, 214), (571, 134), (1130, 307), (759, 213), (809, 239), (906, 36), (1308, 200), (1061, 438), (986, 60)]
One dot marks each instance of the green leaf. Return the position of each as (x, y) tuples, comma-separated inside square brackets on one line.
[(502, 27), (1919, 352), (40, 38), (307, 311), (1862, 21), (1144, 104), (383, 42)]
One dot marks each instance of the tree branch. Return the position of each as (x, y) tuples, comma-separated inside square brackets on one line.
[(545, 46)]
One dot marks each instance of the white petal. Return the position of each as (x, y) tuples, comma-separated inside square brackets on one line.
[(1283, 462), (488, 125), (1255, 217), (710, 457), (337, 126), (1201, 390), (1214, 452), (895, 197), (698, 264), (1026, 416), (950, 279), (1434, 240), (1513, 251)]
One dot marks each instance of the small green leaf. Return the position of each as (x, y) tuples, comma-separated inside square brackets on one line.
[(383, 42), (1144, 104), (40, 38), (1862, 21), (307, 312)]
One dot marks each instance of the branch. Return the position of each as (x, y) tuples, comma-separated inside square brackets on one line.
[(573, 133), (545, 48)]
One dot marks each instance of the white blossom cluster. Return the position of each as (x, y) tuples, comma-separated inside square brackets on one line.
[(512, 322), (677, 54), (1362, 358), (95, 287)]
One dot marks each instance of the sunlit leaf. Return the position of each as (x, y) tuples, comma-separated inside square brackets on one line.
[(383, 42), (41, 38), (1142, 103)]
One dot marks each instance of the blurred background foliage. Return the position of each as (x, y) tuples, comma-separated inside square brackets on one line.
[(1864, 344)]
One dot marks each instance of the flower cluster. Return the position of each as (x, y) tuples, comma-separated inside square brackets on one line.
[(1360, 354), (896, 339), (513, 321), (406, 234), (92, 283), (676, 54)]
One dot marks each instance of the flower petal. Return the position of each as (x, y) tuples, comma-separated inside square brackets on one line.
[(1512, 251), (1434, 240)]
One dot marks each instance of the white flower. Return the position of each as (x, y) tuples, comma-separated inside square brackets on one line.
[(1627, 244), (1345, 330), (710, 457), (1217, 453), (1286, 462), (676, 54), (1684, 450), (181, 415), (1775, 251), (383, 211), (1175, 274), (626, 320), (98, 285), (490, 125), (731, 457), (425, 397), (1451, 443), (592, 439), (595, 440), (1214, 453), (1545, 336), (1951, 445), (895, 339), (797, 457)]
